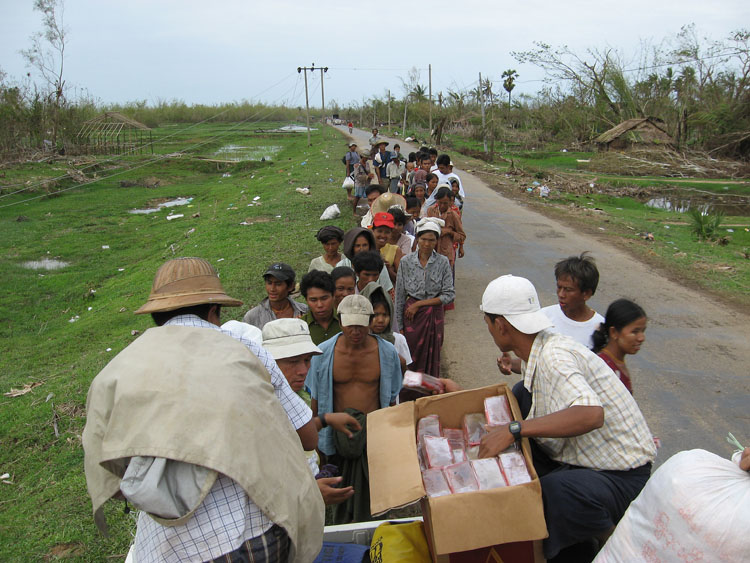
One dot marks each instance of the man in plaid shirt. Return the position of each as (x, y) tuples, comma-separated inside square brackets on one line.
[(591, 446)]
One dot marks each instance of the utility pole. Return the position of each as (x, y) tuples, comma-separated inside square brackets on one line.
[(307, 100), (389, 108), (481, 101), (323, 92), (430, 75), (406, 103)]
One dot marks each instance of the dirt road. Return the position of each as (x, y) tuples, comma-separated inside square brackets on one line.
[(691, 377)]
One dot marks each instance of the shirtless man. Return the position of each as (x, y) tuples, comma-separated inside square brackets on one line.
[(356, 373)]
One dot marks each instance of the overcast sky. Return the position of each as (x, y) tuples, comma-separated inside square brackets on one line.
[(218, 51)]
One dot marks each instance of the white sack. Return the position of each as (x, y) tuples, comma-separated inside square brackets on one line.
[(331, 212), (695, 507)]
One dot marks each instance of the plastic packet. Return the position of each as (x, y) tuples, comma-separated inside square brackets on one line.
[(489, 474), (438, 451), (474, 428), (435, 484), (472, 452), (454, 435), (428, 426), (461, 477), (497, 410), (420, 457), (422, 382), (459, 454), (514, 468)]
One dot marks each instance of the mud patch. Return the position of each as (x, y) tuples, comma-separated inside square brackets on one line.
[(64, 551), (545, 231)]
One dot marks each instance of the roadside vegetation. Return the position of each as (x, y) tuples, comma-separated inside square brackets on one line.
[(62, 326)]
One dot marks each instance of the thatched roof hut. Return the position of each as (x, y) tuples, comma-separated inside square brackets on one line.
[(645, 132), (113, 133)]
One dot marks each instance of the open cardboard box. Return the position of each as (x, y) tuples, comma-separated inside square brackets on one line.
[(459, 522)]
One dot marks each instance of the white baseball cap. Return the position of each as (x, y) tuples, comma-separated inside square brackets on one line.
[(515, 299), (355, 310), (286, 338)]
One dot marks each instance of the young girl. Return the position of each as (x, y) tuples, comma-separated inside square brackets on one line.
[(381, 323), (622, 332)]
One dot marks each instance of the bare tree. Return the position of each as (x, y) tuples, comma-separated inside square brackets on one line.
[(47, 54)]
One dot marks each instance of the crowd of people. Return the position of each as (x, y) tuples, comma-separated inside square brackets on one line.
[(245, 430)]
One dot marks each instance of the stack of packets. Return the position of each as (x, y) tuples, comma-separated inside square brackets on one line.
[(449, 457)]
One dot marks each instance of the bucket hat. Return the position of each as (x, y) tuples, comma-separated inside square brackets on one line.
[(286, 338), (184, 282)]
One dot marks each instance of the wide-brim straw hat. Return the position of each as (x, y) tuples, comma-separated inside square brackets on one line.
[(385, 201), (184, 282)]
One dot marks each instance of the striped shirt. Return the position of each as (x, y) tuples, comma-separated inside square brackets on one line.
[(561, 373), (227, 516)]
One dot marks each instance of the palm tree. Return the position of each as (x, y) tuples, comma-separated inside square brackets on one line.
[(509, 82)]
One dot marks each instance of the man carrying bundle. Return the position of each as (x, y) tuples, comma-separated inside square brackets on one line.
[(197, 430)]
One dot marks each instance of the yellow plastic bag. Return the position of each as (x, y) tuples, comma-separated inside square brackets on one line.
[(399, 543)]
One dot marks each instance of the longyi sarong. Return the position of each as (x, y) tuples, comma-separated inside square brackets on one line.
[(424, 335)]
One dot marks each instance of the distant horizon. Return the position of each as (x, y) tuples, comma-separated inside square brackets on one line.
[(233, 50)]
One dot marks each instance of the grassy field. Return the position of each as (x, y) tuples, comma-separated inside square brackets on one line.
[(60, 327)]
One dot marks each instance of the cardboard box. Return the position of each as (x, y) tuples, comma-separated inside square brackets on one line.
[(455, 523)]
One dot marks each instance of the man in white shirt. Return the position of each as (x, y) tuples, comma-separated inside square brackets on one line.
[(577, 279)]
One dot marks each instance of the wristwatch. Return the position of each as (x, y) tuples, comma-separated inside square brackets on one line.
[(515, 429)]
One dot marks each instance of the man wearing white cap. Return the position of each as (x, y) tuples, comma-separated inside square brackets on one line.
[(289, 343), (592, 447), (357, 373)]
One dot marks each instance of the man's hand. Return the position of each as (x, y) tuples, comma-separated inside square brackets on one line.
[(504, 363), (411, 310), (449, 386), (497, 441), (461, 251), (343, 422), (745, 460), (331, 494)]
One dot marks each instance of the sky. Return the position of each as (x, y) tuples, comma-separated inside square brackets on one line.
[(211, 52)]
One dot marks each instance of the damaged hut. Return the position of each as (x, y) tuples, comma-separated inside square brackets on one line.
[(639, 133), (113, 133)]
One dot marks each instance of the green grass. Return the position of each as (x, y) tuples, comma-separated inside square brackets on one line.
[(724, 269), (46, 509)]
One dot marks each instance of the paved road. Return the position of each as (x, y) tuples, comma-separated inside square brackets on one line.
[(691, 377)]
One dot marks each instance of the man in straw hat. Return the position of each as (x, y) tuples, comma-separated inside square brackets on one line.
[(357, 373), (197, 429), (592, 447)]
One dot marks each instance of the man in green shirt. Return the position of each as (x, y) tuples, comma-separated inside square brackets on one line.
[(317, 288)]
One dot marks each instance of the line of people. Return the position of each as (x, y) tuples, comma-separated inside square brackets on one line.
[(231, 438)]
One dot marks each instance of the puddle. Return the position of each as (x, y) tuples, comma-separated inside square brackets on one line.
[(293, 129), (45, 264), (162, 205), (682, 204), (239, 153)]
